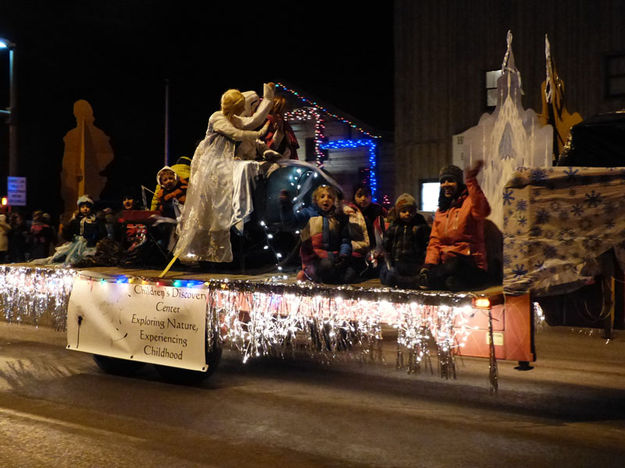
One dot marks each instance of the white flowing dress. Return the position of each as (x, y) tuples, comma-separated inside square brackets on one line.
[(219, 194)]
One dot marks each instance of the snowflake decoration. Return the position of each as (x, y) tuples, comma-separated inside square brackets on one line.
[(538, 175), (536, 231), (592, 242), (507, 197), (521, 205), (610, 224), (542, 216), (522, 221), (577, 209), (549, 251), (593, 199), (566, 236), (519, 270), (571, 172)]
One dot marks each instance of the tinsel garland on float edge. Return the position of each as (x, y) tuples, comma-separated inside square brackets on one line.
[(259, 319), (29, 293)]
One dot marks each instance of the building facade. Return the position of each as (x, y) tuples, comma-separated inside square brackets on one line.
[(444, 50)]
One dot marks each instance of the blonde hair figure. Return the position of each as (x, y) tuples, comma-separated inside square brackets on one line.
[(219, 192)]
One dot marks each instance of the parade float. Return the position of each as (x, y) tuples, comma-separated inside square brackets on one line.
[(556, 224)]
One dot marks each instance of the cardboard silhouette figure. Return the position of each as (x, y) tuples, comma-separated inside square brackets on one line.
[(87, 153), (509, 138)]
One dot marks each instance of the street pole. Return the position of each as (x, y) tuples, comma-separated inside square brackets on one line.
[(166, 155), (12, 114), (11, 111)]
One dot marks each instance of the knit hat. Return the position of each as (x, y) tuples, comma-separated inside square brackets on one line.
[(365, 187), (84, 199), (165, 168), (405, 200), (452, 172)]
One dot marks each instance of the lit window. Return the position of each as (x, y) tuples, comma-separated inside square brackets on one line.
[(429, 196), (491, 87)]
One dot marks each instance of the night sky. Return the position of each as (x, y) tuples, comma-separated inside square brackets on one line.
[(117, 55)]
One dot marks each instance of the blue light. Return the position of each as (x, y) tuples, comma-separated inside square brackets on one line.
[(371, 145), (121, 280), (177, 283)]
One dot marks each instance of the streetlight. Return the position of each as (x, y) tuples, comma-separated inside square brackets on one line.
[(10, 112)]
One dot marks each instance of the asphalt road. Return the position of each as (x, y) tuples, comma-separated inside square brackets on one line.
[(58, 409)]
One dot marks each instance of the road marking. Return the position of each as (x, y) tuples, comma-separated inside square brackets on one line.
[(65, 424)]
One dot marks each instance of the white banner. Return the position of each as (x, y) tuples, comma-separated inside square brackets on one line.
[(156, 324)]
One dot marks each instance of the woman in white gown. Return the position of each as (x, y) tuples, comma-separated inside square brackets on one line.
[(222, 171)]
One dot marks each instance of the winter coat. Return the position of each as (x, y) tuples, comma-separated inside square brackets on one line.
[(323, 235), (405, 244), (88, 227), (165, 198), (366, 229), (182, 170), (460, 229)]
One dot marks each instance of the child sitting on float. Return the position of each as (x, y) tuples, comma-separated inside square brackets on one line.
[(182, 168), (171, 193), (326, 247), (130, 233), (82, 233), (366, 229), (170, 198), (405, 242)]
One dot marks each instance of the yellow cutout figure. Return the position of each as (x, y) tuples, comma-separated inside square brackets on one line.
[(554, 111), (87, 153)]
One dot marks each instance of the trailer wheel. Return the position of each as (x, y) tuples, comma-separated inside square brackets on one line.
[(117, 366), (190, 377)]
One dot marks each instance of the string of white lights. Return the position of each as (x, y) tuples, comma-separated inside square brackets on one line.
[(277, 318)]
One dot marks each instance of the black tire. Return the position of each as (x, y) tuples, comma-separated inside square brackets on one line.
[(115, 366), (190, 377)]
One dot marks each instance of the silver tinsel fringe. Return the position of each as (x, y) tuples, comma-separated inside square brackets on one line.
[(35, 296), (258, 319)]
